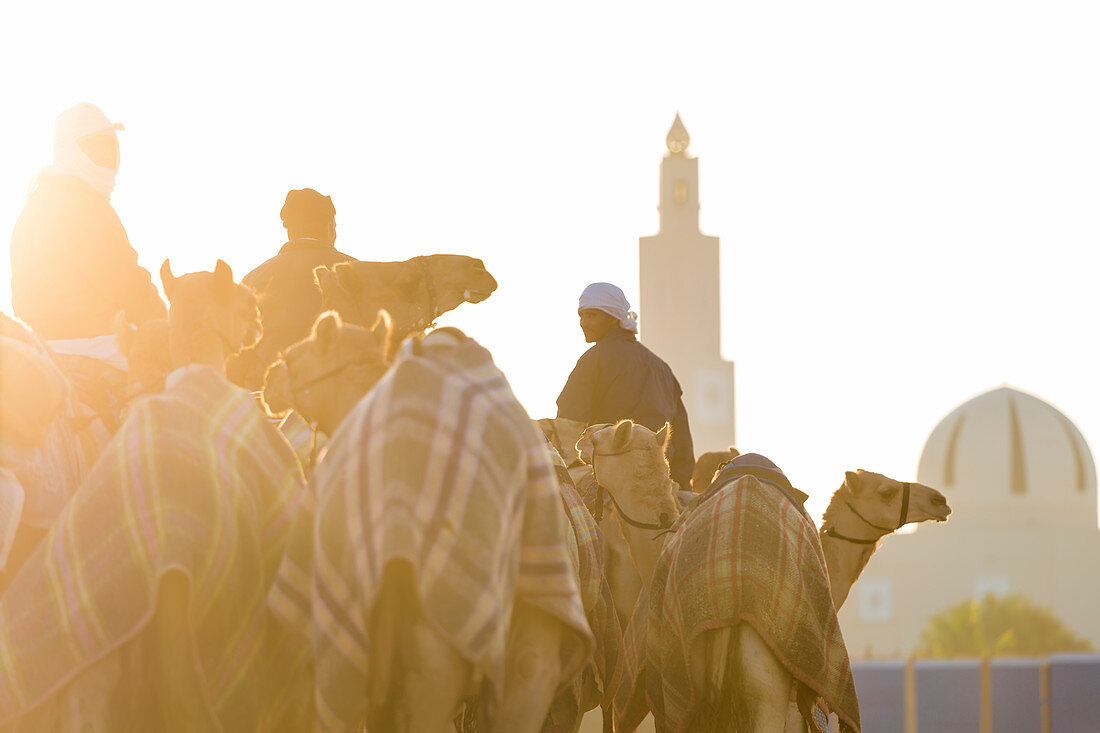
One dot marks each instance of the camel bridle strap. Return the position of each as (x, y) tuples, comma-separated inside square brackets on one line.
[(906, 490), (329, 373), (665, 521), (830, 532)]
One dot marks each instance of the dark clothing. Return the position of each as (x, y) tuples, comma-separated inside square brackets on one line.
[(72, 266), (618, 378), (290, 300)]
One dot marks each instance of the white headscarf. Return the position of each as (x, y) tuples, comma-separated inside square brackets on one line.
[(68, 159), (611, 300)]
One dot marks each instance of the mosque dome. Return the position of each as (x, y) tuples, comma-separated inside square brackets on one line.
[(1006, 455)]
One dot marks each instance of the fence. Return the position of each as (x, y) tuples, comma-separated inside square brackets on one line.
[(1056, 694)]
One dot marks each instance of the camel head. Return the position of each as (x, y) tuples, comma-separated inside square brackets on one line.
[(148, 354), (325, 375), (629, 462), (563, 434), (210, 317), (414, 292), (708, 464), (32, 394), (869, 503)]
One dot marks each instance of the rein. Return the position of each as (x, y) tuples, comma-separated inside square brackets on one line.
[(906, 489), (664, 523)]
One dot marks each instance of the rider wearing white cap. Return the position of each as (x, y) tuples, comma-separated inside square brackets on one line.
[(619, 378), (72, 265)]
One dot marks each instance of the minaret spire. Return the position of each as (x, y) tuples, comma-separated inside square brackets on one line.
[(677, 139), (682, 324)]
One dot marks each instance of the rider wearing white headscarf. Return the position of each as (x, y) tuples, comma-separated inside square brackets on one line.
[(611, 300), (619, 378), (72, 265)]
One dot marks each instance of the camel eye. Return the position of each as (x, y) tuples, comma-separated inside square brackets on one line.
[(888, 493)]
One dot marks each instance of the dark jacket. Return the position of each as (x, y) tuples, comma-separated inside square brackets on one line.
[(290, 300), (72, 266), (618, 378)]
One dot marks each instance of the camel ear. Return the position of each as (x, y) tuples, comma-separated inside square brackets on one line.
[(348, 278), (853, 481), (382, 331), (167, 279), (223, 279), (734, 452), (326, 329), (663, 435), (324, 277), (276, 395), (623, 433)]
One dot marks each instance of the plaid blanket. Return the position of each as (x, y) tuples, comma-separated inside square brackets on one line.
[(195, 480), (744, 555), (600, 679), (443, 468)]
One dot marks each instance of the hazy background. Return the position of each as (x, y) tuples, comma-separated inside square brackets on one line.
[(906, 194)]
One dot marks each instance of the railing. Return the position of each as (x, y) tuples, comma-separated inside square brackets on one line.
[(1056, 694)]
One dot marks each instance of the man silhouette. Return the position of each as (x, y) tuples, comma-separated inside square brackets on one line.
[(72, 266), (289, 297)]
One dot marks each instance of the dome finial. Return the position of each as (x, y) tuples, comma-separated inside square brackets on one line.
[(677, 138)]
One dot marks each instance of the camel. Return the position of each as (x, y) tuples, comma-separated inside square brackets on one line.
[(148, 354), (708, 464), (32, 398), (32, 395), (211, 486), (46, 444), (622, 576), (865, 509), (736, 671), (415, 292), (324, 376), (417, 674)]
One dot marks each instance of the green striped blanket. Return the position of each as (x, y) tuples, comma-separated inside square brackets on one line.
[(745, 555), (438, 465), (198, 480)]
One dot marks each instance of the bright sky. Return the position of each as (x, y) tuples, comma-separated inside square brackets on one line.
[(905, 193)]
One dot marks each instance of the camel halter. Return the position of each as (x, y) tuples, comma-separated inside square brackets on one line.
[(906, 489), (664, 522), (329, 374)]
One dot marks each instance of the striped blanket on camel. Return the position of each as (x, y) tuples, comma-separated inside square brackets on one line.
[(746, 554), (196, 480), (440, 466), (600, 679)]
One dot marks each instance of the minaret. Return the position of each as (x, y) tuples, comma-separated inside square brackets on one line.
[(679, 313)]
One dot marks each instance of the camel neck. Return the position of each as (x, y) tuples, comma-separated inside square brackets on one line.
[(845, 561)]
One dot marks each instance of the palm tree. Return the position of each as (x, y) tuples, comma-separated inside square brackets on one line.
[(997, 626)]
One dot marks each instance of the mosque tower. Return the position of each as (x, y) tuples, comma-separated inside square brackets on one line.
[(679, 314)]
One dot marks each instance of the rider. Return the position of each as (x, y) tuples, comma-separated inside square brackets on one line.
[(619, 378), (290, 300), (72, 266)]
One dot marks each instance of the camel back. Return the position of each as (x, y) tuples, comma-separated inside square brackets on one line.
[(438, 466), (745, 555), (196, 480)]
